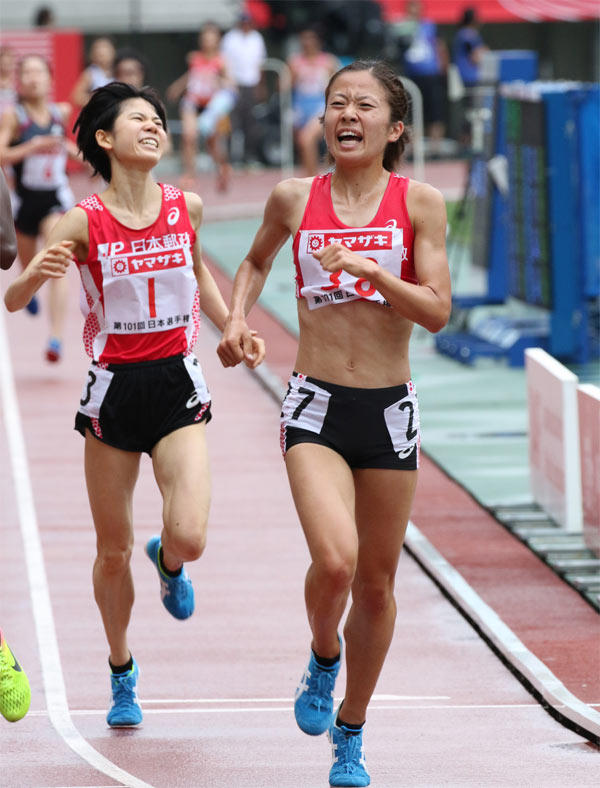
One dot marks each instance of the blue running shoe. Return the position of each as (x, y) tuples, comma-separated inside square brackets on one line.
[(177, 593), (313, 704), (33, 307), (125, 709), (348, 767)]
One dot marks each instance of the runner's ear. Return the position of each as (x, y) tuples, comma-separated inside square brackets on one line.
[(104, 139)]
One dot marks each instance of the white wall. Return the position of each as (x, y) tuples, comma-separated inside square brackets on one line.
[(116, 16)]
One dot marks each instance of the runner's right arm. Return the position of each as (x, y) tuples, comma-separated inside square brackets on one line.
[(68, 239), (250, 279)]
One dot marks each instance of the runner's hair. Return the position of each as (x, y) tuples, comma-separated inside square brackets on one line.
[(100, 113)]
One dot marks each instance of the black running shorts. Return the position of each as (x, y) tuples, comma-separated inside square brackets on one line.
[(33, 206), (133, 406), (369, 428)]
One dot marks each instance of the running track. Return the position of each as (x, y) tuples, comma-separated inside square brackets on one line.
[(217, 689)]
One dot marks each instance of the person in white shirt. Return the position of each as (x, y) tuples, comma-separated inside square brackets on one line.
[(244, 51)]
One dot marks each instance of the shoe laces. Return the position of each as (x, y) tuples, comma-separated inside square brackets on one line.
[(321, 685), (123, 688), (349, 752)]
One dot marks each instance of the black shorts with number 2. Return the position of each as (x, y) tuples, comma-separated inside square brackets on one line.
[(369, 428), (133, 406)]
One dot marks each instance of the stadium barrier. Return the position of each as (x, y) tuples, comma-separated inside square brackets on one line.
[(588, 400), (554, 457)]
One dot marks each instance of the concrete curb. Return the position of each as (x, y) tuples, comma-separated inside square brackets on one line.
[(545, 687)]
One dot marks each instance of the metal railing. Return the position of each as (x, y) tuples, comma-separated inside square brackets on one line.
[(418, 130)]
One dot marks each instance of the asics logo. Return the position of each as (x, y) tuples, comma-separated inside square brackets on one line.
[(164, 588), (173, 216), (193, 400), (303, 686)]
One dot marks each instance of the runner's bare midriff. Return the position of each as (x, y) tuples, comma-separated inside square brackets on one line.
[(362, 344)]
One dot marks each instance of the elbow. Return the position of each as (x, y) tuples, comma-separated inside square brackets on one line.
[(10, 304), (438, 321), (435, 327)]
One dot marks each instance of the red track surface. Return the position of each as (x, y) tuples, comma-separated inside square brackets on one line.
[(217, 689)]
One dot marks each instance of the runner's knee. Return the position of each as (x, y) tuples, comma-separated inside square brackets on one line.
[(114, 560), (374, 595), (335, 573)]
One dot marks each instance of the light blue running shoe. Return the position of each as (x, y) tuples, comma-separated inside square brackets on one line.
[(348, 767), (177, 593), (313, 703), (125, 709)]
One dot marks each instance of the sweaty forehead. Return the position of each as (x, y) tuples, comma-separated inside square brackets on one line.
[(358, 84)]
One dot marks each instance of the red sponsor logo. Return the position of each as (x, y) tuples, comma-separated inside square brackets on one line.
[(122, 266), (357, 241)]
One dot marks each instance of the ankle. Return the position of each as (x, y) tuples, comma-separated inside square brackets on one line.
[(119, 668), (351, 719), (164, 568)]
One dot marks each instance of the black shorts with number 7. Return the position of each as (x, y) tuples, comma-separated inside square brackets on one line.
[(369, 428)]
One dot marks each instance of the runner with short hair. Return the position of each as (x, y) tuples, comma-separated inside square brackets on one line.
[(138, 252)]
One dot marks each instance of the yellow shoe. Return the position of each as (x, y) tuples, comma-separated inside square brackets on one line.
[(15, 694)]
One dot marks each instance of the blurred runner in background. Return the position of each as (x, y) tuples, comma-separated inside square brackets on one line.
[(311, 69), (33, 140), (206, 79)]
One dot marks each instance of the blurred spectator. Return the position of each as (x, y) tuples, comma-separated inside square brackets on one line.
[(8, 92), (311, 69), (43, 17), (425, 62), (244, 50), (205, 80), (468, 48), (130, 66), (98, 73)]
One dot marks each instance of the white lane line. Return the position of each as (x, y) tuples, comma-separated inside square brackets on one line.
[(552, 690), (288, 709), (54, 685), (174, 701)]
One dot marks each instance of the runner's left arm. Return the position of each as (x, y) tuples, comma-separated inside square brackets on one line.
[(211, 301)]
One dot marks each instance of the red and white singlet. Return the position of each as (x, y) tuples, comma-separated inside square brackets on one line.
[(387, 240), (204, 78), (140, 288)]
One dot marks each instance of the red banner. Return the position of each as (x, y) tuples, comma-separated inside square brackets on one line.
[(450, 11)]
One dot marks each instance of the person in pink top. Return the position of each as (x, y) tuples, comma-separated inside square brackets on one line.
[(311, 69), (205, 78), (370, 262), (137, 248)]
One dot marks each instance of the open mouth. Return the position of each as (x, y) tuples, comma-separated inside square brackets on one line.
[(150, 142), (349, 138)]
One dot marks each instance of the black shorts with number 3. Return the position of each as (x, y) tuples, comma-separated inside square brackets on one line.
[(133, 406), (369, 428)]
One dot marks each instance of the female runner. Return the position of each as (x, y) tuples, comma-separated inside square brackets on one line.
[(369, 250), (33, 140), (138, 252)]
